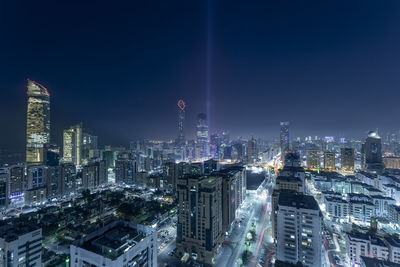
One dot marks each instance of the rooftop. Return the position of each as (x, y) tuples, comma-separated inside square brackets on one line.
[(114, 239), (11, 232), (367, 237), (300, 201), (393, 241), (374, 262)]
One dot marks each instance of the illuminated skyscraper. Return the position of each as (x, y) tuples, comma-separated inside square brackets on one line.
[(202, 137), (372, 152), (72, 145), (329, 160), (284, 138), (181, 120), (37, 123)]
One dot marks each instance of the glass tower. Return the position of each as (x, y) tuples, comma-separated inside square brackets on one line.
[(37, 123)]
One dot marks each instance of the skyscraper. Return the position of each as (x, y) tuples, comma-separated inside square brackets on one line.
[(252, 151), (372, 152), (347, 154), (37, 123), (313, 159), (202, 137), (72, 145), (181, 120), (284, 138), (329, 160)]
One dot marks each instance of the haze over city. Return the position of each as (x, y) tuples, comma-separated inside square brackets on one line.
[(330, 68)]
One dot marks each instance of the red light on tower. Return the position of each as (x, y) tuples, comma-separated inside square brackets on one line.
[(181, 104)]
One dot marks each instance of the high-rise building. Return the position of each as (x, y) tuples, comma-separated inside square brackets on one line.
[(119, 243), (16, 182), (66, 179), (20, 245), (126, 169), (36, 188), (94, 174), (89, 147), (171, 172), (313, 159), (181, 121), (372, 152), (347, 154), (329, 160), (284, 138), (299, 230), (211, 166), (37, 123), (72, 145), (202, 137), (4, 188), (391, 162), (252, 151), (199, 226)]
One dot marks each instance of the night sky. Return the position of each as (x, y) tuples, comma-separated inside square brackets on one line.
[(329, 67)]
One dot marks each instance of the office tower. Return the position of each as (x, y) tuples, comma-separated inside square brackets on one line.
[(89, 147), (52, 155), (313, 159), (284, 138), (16, 182), (292, 159), (199, 226), (52, 181), (4, 188), (240, 151), (347, 154), (299, 229), (210, 166), (372, 153), (180, 141), (230, 187), (252, 151), (329, 160), (202, 137), (119, 243), (170, 175), (20, 245), (94, 174), (66, 179), (36, 190), (72, 145), (126, 169), (37, 123)]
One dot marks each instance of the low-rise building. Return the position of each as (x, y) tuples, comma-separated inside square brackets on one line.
[(20, 245), (393, 243), (337, 208), (119, 243), (359, 244)]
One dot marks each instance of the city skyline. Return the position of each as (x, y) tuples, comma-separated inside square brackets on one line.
[(252, 66)]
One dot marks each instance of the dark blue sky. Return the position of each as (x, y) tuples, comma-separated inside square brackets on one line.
[(329, 67)]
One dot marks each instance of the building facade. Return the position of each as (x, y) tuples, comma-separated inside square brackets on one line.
[(37, 123), (199, 226)]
